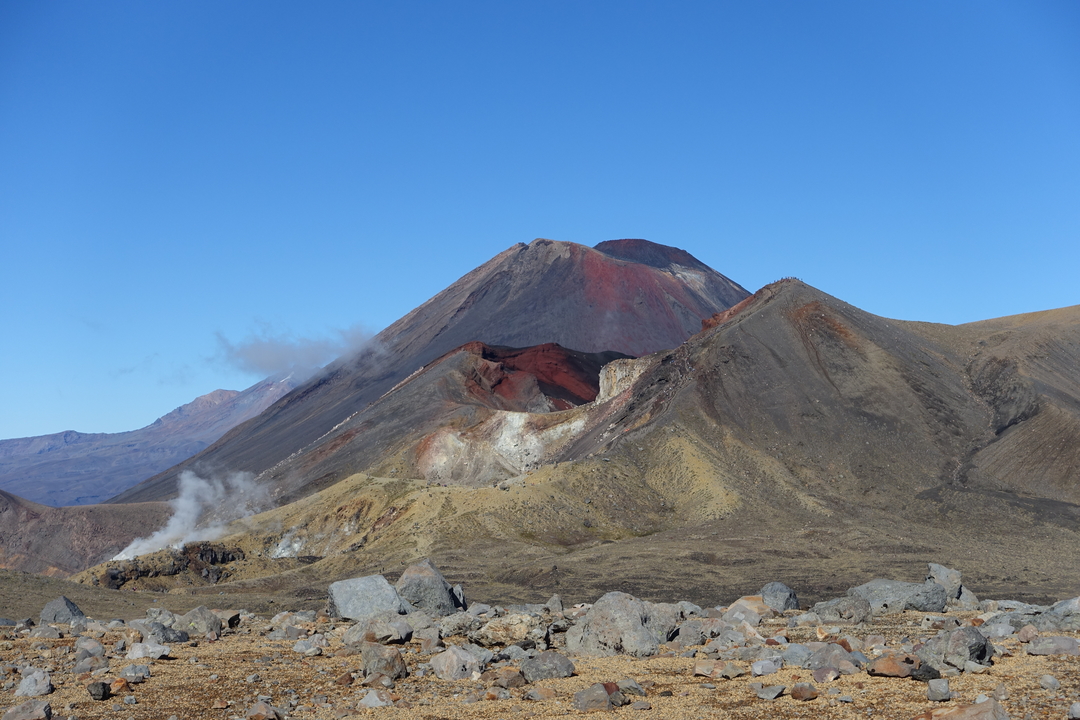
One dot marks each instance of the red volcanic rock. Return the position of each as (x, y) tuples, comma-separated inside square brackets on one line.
[(568, 378)]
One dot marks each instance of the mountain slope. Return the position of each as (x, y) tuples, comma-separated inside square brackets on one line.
[(796, 438), (587, 299), (72, 468), (60, 541)]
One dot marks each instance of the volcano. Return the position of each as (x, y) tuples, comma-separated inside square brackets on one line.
[(631, 297)]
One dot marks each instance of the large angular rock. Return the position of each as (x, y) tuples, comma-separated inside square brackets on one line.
[(426, 589), (615, 624), (61, 610), (1052, 645), (34, 683), (29, 710), (148, 650), (661, 619), (547, 665), (384, 660), (455, 664), (954, 648), (851, 609), (779, 597), (509, 629), (363, 597), (460, 623), (199, 621), (946, 578), (893, 596)]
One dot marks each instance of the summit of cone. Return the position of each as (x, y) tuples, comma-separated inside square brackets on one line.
[(589, 300)]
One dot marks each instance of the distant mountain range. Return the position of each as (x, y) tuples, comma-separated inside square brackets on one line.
[(73, 468)]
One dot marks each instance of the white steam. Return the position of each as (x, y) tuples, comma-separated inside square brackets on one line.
[(269, 353), (227, 499)]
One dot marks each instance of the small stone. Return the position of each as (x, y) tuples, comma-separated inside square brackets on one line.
[(770, 692), (130, 700), (98, 690), (643, 705), (803, 691), (763, 667), (826, 674), (219, 704), (938, 690), (1027, 633), (539, 694), (731, 671), (376, 698), (1049, 682), (592, 699), (1074, 711), (262, 710)]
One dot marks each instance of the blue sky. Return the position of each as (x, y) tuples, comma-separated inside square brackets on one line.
[(179, 179)]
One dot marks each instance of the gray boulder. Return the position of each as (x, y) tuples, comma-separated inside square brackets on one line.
[(661, 619), (851, 609), (147, 650), (362, 597), (779, 597), (200, 621), (460, 623), (425, 588), (893, 596), (1052, 645), (547, 665), (29, 710), (61, 610), (615, 624), (455, 663), (384, 660), (954, 648), (831, 655), (35, 682), (946, 578)]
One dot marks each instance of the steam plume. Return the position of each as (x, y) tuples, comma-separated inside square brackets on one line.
[(230, 498), (266, 353)]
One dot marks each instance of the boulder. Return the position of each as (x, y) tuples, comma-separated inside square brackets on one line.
[(147, 650), (509, 629), (592, 699), (938, 690), (460, 623), (363, 597), (615, 624), (35, 683), (831, 655), (384, 660), (946, 578), (455, 663), (954, 648), (1053, 645), (426, 589), (779, 597), (29, 710), (376, 698), (199, 621), (547, 665), (61, 610), (851, 609), (894, 596), (378, 630), (661, 619)]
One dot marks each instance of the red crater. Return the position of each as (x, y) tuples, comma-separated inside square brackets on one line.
[(568, 378)]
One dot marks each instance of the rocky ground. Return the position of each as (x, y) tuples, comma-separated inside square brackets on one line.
[(419, 649)]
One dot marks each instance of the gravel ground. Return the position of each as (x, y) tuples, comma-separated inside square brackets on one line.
[(203, 673)]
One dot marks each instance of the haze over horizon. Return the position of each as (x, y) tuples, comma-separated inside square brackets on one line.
[(196, 195)]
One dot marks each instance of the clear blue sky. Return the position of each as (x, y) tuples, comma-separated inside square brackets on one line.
[(180, 178)]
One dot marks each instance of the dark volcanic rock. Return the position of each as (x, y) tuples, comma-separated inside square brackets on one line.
[(546, 665), (61, 610), (779, 597)]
